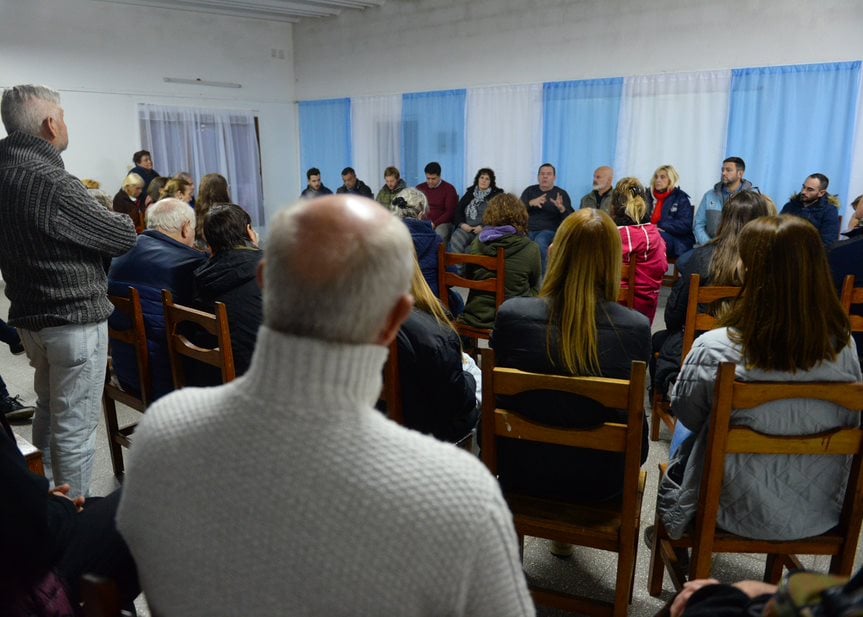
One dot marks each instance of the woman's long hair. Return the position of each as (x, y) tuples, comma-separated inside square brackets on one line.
[(740, 208), (426, 301), (628, 203), (212, 190), (788, 317), (583, 271)]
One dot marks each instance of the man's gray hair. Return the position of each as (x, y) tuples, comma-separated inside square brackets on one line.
[(169, 214), (349, 295), (24, 108)]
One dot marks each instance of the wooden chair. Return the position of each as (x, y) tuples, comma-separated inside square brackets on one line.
[(495, 285), (725, 438), (697, 321), (101, 597), (32, 455), (670, 280), (626, 295), (135, 336), (850, 296), (179, 346), (611, 526)]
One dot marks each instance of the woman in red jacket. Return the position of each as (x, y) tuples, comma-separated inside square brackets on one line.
[(642, 244)]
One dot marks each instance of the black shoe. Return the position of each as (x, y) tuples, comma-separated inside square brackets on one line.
[(17, 349), (13, 409)]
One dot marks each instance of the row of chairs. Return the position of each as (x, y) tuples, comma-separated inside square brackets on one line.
[(614, 526), (180, 348)]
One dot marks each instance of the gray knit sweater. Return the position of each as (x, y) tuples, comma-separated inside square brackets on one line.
[(286, 493), (54, 239)]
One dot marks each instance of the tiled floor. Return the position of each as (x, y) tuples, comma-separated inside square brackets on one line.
[(588, 571)]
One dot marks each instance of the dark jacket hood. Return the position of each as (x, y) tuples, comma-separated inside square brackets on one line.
[(228, 270)]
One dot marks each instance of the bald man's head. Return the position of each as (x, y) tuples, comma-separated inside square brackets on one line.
[(335, 268)]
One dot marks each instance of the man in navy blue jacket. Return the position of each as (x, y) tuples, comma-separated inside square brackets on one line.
[(814, 204)]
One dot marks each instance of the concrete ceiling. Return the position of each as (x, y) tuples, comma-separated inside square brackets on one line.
[(269, 10)]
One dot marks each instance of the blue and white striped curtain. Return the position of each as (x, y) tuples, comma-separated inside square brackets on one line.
[(580, 121), (785, 122)]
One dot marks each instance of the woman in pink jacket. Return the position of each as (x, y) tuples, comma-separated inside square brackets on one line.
[(642, 244)]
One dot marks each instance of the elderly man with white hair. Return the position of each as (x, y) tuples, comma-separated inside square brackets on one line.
[(163, 258), (311, 502), (54, 238)]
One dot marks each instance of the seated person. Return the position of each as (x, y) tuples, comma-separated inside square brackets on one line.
[(393, 185), (786, 288), (230, 276), (671, 211), (467, 222), (642, 244), (162, 258), (126, 199), (575, 327), (817, 206), (438, 395), (50, 541), (716, 264), (504, 226), (411, 205)]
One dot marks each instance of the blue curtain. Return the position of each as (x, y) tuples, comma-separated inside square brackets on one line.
[(788, 122), (325, 139), (433, 130), (580, 130)]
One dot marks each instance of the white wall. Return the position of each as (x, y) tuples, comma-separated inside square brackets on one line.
[(106, 58), (420, 45)]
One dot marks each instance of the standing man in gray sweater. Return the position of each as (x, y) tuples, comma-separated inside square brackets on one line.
[(55, 241)]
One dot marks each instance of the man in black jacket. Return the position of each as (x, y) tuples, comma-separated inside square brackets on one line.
[(230, 276), (353, 185)]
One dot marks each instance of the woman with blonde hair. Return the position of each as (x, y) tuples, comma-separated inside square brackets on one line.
[(438, 393), (671, 211), (504, 226), (642, 243), (179, 188), (574, 327), (787, 325), (127, 199)]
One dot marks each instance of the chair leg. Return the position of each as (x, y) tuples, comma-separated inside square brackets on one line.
[(625, 574), (773, 568), (843, 563), (109, 409), (657, 565), (654, 423)]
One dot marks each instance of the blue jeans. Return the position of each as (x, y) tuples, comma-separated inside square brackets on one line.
[(70, 375), (544, 239)]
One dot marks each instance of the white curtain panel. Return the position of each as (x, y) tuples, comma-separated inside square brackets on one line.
[(679, 119), (207, 141), (504, 132), (376, 134), (855, 187)]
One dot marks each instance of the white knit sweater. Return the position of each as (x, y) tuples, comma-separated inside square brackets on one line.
[(286, 493)]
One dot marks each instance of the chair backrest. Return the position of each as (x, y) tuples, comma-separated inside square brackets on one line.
[(626, 295), (136, 337), (850, 296), (179, 346), (392, 390), (725, 438), (627, 395), (446, 279), (698, 321)]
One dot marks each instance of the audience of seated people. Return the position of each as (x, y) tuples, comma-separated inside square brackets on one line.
[(504, 227), (787, 288), (468, 219), (671, 211), (164, 257), (230, 276), (716, 264), (643, 246), (211, 527), (575, 327), (438, 393)]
